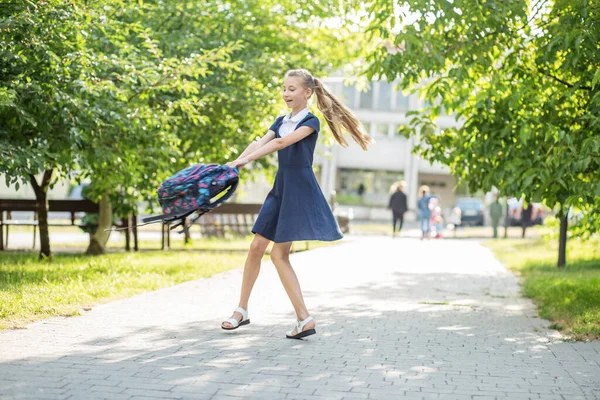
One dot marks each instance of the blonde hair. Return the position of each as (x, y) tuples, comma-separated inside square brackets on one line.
[(397, 186), (336, 114)]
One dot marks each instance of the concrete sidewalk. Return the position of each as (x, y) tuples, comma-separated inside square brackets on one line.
[(395, 319)]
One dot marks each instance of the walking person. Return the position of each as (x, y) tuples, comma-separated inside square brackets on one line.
[(424, 212), (295, 209), (496, 215), (526, 215), (398, 206)]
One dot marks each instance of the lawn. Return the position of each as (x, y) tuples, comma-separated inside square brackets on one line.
[(569, 297)]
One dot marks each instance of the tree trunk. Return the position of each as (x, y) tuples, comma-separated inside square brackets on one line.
[(562, 239), (41, 195), (506, 220), (99, 238)]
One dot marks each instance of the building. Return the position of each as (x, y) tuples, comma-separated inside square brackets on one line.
[(363, 179)]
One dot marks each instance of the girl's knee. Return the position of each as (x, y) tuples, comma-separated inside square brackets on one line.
[(279, 257), (258, 247)]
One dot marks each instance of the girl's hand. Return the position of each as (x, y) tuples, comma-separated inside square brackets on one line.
[(239, 163)]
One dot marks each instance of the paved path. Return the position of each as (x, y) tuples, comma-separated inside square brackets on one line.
[(396, 319)]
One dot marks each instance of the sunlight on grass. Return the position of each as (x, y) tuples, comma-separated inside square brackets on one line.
[(31, 289), (569, 297)]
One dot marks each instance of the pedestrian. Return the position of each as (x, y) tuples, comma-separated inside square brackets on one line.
[(526, 214), (398, 205), (496, 215), (424, 212), (295, 208), (361, 190)]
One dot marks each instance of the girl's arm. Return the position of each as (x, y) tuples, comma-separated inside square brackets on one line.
[(274, 145), (257, 144)]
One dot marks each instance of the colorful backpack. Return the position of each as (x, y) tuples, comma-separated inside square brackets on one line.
[(196, 189)]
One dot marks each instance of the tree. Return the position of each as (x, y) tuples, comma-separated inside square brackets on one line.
[(88, 96), (523, 82), (150, 87), (208, 114), (37, 107)]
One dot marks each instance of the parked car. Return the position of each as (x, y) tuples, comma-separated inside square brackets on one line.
[(472, 211), (515, 207)]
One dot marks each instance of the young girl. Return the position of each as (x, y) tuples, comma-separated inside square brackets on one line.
[(295, 209)]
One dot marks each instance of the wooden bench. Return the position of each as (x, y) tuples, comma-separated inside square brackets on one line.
[(234, 218), (7, 206)]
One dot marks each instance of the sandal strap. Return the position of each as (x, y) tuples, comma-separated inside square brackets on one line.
[(301, 324), (234, 322), (243, 312)]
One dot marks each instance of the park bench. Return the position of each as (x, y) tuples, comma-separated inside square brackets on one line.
[(8, 206), (234, 218), (230, 218)]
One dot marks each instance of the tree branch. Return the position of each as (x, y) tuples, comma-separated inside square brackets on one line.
[(567, 84)]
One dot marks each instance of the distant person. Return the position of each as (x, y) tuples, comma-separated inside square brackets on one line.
[(398, 205), (526, 218), (496, 215), (424, 211), (361, 190)]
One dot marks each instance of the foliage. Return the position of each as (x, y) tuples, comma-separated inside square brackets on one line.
[(523, 81)]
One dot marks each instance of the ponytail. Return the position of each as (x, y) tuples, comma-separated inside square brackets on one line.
[(336, 114)]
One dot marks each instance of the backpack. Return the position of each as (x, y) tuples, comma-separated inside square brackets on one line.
[(196, 189)]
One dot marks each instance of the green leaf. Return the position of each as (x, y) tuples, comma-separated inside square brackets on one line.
[(596, 79)]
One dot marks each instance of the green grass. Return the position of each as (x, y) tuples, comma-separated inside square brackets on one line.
[(569, 297), (33, 289)]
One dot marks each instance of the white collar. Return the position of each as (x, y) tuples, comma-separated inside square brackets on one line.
[(297, 117)]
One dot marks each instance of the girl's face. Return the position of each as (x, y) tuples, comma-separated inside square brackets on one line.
[(294, 93)]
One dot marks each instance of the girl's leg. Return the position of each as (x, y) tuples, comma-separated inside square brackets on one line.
[(251, 269), (280, 255)]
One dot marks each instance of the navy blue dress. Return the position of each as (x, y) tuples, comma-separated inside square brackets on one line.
[(295, 209)]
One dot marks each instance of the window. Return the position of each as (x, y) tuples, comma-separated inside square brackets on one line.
[(347, 96), (366, 187), (336, 88), (384, 100), (366, 99), (367, 126), (381, 129), (401, 101), (433, 184)]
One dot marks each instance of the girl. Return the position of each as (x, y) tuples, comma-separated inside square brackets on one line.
[(295, 209)]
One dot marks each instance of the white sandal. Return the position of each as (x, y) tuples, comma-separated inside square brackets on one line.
[(234, 322), (300, 333)]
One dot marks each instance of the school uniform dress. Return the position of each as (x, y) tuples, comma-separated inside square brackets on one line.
[(296, 209)]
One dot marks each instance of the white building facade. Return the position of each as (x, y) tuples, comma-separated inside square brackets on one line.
[(363, 179)]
